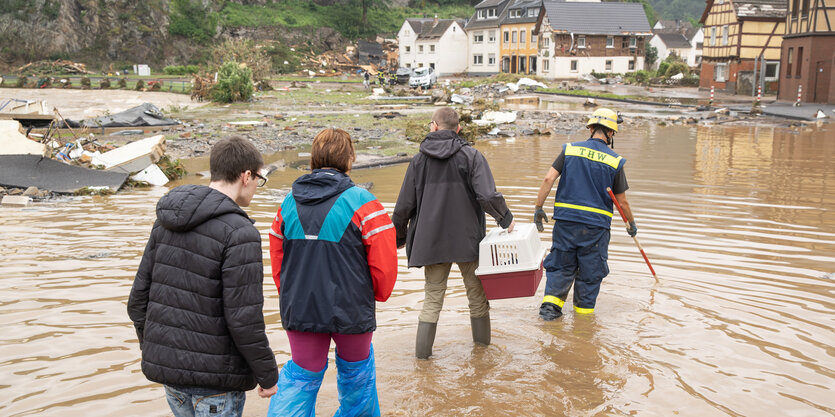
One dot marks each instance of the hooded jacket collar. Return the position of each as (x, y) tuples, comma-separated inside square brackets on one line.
[(189, 206), (320, 185), (442, 144)]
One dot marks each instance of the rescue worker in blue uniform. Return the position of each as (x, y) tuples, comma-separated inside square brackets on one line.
[(583, 216)]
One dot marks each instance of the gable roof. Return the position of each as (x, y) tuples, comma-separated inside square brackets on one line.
[(427, 29), (619, 18), (673, 40), (763, 9), (475, 23), (524, 5)]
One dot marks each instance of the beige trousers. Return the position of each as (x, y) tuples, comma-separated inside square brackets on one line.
[(435, 288)]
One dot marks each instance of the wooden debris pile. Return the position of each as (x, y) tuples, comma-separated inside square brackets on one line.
[(53, 67)]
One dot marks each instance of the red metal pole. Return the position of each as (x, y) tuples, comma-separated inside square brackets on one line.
[(799, 90), (623, 216), (759, 94), (710, 104)]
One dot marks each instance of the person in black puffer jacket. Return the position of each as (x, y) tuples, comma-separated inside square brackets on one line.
[(196, 301)]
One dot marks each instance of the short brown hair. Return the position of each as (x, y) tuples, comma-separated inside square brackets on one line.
[(332, 148), (232, 156), (446, 118)]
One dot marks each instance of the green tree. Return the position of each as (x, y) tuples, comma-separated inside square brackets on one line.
[(189, 18), (234, 83), (651, 55)]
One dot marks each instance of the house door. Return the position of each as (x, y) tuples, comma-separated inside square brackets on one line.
[(822, 71), (513, 64), (532, 67), (505, 64), (522, 65)]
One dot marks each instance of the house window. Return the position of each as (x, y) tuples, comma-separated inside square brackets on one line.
[(491, 59), (795, 7), (772, 70), (721, 1), (491, 36), (720, 73), (713, 36), (789, 60), (546, 65), (533, 12), (431, 49), (516, 13), (799, 61), (408, 49), (506, 36), (533, 39), (724, 35), (805, 13), (631, 65), (481, 14), (573, 65), (478, 37), (633, 43), (522, 38), (610, 41), (478, 59), (408, 65), (513, 38), (407, 33), (608, 65), (432, 65), (581, 42), (420, 49), (546, 42), (491, 13)]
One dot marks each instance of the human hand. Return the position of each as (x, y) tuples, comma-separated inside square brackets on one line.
[(632, 229), (267, 393), (538, 216), (512, 225)]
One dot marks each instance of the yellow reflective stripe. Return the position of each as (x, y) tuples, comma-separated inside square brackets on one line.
[(593, 155), (579, 310), (553, 300), (585, 208)]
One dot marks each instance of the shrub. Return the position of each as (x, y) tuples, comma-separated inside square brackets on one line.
[(234, 83), (21, 82), (189, 18), (104, 84), (85, 83), (123, 83), (139, 85), (639, 77), (677, 67), (181, 69), (663, 67)]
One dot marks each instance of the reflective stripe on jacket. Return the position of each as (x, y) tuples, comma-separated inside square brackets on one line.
[(590, 167)]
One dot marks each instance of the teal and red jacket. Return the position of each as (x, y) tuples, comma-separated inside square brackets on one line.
[(333, 253)]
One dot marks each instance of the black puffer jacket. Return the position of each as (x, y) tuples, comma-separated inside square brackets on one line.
[(197, 298), (439, 214)]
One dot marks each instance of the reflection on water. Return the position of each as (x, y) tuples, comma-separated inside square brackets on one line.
[(738, 221)]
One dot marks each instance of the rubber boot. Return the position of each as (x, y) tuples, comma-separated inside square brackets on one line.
[(425, 339), (297, 391), (357, 385), (549, 311), (481, 329)]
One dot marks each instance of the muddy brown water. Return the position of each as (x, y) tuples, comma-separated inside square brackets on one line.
[(738, 221)]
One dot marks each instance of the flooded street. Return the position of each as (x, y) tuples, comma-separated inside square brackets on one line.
[(739, 223)]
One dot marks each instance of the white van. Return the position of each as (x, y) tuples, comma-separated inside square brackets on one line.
[(423, 77)]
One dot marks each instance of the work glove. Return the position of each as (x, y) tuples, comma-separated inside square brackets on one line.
[(632, 229), (538, 216)]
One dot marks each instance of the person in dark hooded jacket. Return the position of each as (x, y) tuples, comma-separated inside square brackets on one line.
[(439, 217), (333, 253), (196, 301)]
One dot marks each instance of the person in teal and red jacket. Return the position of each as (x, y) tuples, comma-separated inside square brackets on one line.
[(333, 253)]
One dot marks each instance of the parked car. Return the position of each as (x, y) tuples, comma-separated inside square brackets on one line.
[(402, 75), (423, 77)]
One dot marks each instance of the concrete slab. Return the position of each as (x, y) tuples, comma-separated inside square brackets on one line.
[(23, 171), (134, 156), (15, 201), (806, 111)]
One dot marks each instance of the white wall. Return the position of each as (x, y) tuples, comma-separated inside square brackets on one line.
[(560, 67), (406, 37), (695, 52), (485, 49), (451, 51), (663, 52)]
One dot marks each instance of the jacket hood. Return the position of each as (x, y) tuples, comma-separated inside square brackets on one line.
[(189, 206), (320, 185), (442, 144)]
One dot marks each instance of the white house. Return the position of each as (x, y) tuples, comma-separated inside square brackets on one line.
[(680, 38), (437, 43), (569, 46), (483, 37)]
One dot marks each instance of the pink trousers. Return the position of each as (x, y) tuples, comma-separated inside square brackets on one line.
[(310, 350)]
